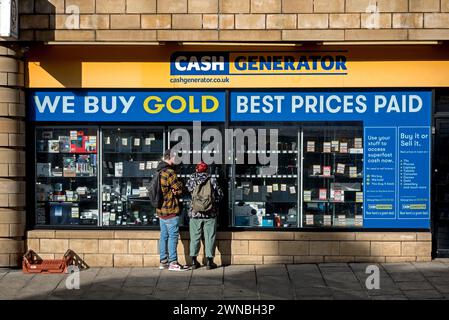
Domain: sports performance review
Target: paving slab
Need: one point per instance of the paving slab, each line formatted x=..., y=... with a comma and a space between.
x=350, y=295
x=313, y=292
x=423, y=294
x=267, y=282
x=442, y=287
x=207, y=277
x=237, y=292
x=169, y=294
x=415, y=285
x=271, y=270
x=389, y=297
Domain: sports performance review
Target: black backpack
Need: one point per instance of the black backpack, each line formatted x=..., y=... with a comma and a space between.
x=155, y=191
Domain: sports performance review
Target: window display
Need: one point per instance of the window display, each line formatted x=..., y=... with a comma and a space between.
x=66, y=176
x=267, y=196
x=333, y=175
x=129, y=161
x=317, y=180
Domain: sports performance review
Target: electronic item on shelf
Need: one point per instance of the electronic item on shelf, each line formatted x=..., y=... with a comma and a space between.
x=124, y=145
x=335, y=145
x=310, y=220
x=343, y=147
x=118, y=169
x=57, y=172
x=358, y=220
x=353, y=172
x=64, y=144
x=69, y=166
x=341, y=220
x=90, y=143
x=307, y=195
x=326, y=147
x=356, y=150
x=327, y=220
x=341, y=168
x=61, y=213
x=41, y=146
x=338, y=196
x=268, y=221
x=43, y=169
x=316, y=169
x=310, y=146
x=109, y=143
x=53, y=146
x=322, y=194
x=41, y=216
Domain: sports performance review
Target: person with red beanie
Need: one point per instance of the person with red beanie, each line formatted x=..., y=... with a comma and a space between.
x=206, y=194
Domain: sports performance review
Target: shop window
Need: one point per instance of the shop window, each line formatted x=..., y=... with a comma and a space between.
x=442, y=101
x=265, y=194
x=311, y=175
x=332, y=176
x=129, y=161
x=66, y=176
x=316, y=181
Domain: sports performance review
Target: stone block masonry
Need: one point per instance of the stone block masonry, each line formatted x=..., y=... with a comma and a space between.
x=233, y=20
x=12, y=157
x=141, y=248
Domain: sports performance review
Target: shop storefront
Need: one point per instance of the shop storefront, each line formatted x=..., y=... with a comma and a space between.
x=324, y=155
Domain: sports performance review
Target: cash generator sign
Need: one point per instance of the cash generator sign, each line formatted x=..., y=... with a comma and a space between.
x=253, y=63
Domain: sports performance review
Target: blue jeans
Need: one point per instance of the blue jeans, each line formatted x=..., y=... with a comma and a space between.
x=169, y=233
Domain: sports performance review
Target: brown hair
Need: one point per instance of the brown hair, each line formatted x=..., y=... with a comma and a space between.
x=168, y=154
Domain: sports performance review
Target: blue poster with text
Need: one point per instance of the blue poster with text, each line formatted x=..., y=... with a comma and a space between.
x=128, y=106
x=396, y=143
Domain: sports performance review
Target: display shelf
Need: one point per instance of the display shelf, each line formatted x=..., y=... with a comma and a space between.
x=156, y=153
x=64, y=153
x=268, y=152
x=63, y=201
x=334, y=153
x=129, y=159
x=274, y=199
x=343, y=176
x=66, y=164
x=335, y=202
x=255, y=176
x=63, y=177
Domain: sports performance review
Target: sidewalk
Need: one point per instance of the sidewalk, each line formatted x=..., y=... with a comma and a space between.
x=307, y=281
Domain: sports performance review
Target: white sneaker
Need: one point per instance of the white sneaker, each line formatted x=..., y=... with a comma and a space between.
x=175, y=266
x=163, y=265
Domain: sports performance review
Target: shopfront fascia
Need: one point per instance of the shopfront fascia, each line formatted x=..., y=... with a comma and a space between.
x=351, y=157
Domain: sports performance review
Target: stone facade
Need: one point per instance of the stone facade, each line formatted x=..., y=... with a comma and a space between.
x=233, y=20
x=12, y=157
x=140, y=248
x=198, y=20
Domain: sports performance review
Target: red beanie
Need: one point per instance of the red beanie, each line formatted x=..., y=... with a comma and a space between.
x=201, y=167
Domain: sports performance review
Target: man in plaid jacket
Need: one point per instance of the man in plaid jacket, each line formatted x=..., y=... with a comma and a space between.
x=169, y=213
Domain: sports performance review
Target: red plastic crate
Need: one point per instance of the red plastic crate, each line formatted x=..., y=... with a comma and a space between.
x=32, y=263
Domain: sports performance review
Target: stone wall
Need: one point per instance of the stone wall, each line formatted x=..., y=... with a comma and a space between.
x=12, y=157
x=140, y=248
x=233, y=20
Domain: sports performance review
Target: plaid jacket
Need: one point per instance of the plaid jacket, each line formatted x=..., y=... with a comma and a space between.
x=171, y=190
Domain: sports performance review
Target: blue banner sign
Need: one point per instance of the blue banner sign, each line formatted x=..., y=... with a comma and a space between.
x=124, y=106
x=396, y=143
